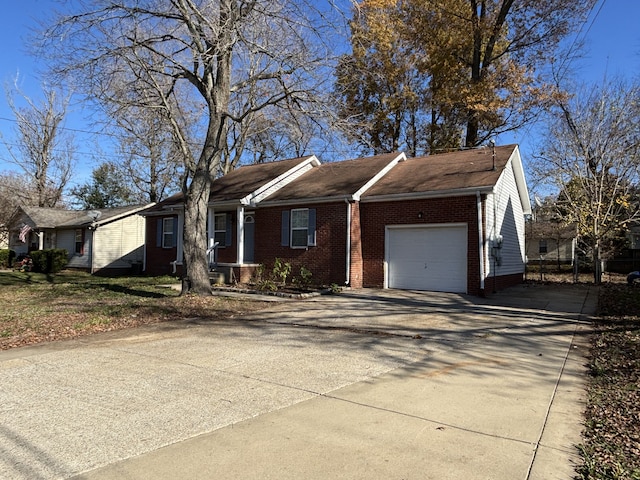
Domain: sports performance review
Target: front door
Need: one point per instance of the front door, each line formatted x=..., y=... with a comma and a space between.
x=249, y=234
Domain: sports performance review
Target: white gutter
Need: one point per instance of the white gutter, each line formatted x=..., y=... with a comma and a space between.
x=458, y=192
x=348, y=262
x=480, y=239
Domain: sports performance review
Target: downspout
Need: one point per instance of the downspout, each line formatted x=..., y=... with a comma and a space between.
x=480, y=240
x=348, y=257
x=92, y=245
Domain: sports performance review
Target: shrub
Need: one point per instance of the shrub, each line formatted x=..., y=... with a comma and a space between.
x=6, y=258
x=49, y=261
x=281, y=270
x=304, y=277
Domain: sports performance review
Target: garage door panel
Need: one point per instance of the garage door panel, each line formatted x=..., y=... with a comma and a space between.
x=428, y=258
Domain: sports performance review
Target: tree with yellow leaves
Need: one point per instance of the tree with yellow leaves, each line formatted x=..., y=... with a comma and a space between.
x=591, y=155
x=475, y=65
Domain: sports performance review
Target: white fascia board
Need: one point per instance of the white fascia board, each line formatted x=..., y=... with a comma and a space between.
x=280, y=181
x=307, y=201
x=225, y=204
x=400, y=158
x=521, y=183
x=460, y=192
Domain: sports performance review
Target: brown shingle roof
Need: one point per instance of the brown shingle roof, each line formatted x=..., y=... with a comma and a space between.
x=247, y=179
x=330, y=180
x=239, y=183
x=444, y=172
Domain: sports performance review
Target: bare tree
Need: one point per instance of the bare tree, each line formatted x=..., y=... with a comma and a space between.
x=42, y=149
x=235, y=57
x=15, y=191
x=151, y=159
x=592, y=157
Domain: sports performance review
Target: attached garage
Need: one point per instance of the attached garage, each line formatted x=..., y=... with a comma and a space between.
x=427, y=257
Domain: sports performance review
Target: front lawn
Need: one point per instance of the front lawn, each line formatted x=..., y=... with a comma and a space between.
x=38, y=308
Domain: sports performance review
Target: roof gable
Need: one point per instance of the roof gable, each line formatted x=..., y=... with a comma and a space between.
x=42, y=217
x=247, y=181
x=345, y=179
x=443, y=174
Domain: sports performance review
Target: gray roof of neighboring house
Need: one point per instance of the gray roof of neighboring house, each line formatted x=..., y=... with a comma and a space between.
x=59, y=218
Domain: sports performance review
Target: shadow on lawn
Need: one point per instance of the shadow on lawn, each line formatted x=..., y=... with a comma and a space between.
x=129, y=291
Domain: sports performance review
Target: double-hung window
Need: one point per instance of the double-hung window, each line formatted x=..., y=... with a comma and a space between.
x=220, y=229
x=542, y=246
x=79, y=241
x=299, y=227
x=168, y=233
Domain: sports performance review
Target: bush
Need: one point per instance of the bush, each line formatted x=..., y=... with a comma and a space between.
x=49, y=261
x=6, y=258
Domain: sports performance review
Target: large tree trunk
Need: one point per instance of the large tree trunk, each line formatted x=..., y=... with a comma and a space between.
x=195, y=235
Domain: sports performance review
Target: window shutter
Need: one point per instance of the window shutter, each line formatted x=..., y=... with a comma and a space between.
x=311, y=240
x=175, y=232
x=159, y=233
x=227, y=235
x=284, y=237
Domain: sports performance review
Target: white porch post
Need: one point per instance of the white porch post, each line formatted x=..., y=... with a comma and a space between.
x=179, y=249
x=240, y=241
x=211, y=225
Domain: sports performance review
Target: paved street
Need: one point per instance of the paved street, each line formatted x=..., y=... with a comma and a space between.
x=366, y=384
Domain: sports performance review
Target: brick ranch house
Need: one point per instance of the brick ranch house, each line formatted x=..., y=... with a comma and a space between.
x=451, y=222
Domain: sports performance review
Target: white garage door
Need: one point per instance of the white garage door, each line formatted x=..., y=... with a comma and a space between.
x=427, y=258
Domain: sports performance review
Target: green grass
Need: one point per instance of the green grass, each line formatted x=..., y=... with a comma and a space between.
x=35, y=307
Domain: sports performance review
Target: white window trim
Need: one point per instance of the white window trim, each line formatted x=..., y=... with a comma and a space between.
x=168, y=232
x=223, y=231
x=291, y=229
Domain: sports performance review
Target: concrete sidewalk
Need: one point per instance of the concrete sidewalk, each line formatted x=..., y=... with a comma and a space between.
x=368, y=384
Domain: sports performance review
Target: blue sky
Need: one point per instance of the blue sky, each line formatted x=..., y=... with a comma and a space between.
x=612, y=48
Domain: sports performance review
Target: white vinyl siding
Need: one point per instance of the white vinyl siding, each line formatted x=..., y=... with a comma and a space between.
x=119, y=244
x=505, y=219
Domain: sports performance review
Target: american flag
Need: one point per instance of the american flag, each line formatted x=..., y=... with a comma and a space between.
x=24, y=231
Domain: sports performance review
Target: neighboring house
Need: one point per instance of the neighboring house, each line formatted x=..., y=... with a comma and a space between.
x=106, y=241
x=550, y=242
x=452, y=222
x=4, y=237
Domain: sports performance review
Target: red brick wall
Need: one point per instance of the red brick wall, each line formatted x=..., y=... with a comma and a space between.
x=326, y=261
x=375, y=216
x=158, y=259
x=355, y=271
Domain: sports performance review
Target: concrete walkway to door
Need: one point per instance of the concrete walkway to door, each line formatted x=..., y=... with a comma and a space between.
x=366, y=384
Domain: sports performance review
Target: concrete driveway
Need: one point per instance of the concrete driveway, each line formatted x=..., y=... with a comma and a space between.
x=366, y=384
